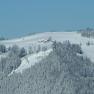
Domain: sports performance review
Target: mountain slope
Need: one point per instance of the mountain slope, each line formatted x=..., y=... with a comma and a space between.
x=61, y=72
x=41, y=39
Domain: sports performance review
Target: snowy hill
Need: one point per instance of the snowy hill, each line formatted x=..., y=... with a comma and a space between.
x=55, y=66
x=31, y=60
x=42, y=39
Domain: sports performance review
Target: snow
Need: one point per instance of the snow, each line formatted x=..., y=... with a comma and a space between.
x=30, y=60
x=89, y=52
x=38, y=39
x=3, y=55
x=74, y=37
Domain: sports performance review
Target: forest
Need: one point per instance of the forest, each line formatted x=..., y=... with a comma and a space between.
x=63, y=71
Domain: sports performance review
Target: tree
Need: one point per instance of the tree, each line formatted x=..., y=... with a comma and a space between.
x=2, y=48
x=38, y=49
x=22, y=52
x=9, y=63
x=54, y=45
x=30, y=50
x=49, y=39
x=14, y=50
x=44, y=48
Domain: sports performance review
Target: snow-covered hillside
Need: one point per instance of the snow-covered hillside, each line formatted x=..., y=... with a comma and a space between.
x=42, y=40
x=31, y=60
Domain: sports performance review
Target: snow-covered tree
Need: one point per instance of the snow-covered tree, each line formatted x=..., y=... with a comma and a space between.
x=2, y=48
x=44, y=48
x=30, y=50
x=22, y=52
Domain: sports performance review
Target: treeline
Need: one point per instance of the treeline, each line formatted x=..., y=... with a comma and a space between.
x=62, y=72
x=88, y=32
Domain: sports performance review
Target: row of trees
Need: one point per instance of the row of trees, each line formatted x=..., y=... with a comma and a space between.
x=22, y=52
x=88, y=32
x=37, y=49
x=31, y=49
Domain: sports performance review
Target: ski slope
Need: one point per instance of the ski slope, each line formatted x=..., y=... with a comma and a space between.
x=40, y=39
x=31, y=60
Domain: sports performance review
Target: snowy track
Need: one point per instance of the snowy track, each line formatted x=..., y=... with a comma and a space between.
x=30, y=60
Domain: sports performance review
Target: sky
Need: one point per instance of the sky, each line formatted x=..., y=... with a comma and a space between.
x=20, y=17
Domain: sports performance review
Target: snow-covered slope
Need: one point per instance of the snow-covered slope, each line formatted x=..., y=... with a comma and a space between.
x=30, y=60
x=41, y=39
x=74, y=37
